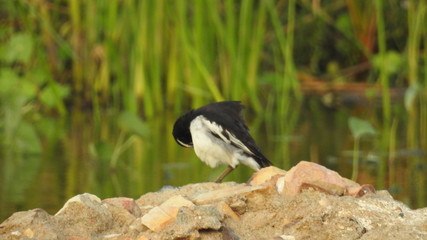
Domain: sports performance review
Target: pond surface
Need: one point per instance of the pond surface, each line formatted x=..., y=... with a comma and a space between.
x=111, y=154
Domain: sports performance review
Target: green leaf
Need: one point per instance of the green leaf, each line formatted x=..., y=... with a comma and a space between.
x=343, y=23
x=360, y=127
x=28, y=89
x=131, y=122
x=11, y=84
x=54, y=93
x=18, y=49
x=8, y=80
x=392, y=61
x=39, y=76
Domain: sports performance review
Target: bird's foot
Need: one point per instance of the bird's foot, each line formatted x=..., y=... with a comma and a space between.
x=224, y=174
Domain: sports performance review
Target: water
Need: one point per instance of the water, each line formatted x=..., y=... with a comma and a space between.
x=117, y=154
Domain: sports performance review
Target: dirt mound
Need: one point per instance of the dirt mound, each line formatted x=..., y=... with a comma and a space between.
x=308, y=202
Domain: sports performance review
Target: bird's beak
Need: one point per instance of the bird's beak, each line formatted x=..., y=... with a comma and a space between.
x=184, y=144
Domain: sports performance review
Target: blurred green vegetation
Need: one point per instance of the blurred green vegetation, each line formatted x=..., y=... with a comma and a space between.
x=89, y=91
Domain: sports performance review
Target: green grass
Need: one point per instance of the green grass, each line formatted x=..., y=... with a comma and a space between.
x=417, y=17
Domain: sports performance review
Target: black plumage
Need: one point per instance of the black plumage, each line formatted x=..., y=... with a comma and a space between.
x=223, y=126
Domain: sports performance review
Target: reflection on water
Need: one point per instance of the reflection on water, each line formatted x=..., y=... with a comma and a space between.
x=120, y=155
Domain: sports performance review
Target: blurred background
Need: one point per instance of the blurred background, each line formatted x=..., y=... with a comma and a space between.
x=90, y=89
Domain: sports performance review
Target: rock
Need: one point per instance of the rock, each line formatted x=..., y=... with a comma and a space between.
x=359, y=191
x=156, y=219
x=325, y=187
x=125, y=213
x=284, y=237
x=122, y=218
x=142, y=238
x=35, y=223
x=159, y=216
x=190, y=223
x=84, y=211
x=228, y=234
x=322, y=205
x=333, y=217
x=280, y=184
x=226, y=210
x=87, y=199
x=127, y=204
x=225, y=193
x=237, y=203
x=190, y=220
x=308, y=174
x=152, y=199
x=264, y=175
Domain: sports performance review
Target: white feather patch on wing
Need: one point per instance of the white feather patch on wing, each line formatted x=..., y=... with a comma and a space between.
x=214, y=128
x=218, y=130
x=210, y=149
x=214, y=150
x=238, y=143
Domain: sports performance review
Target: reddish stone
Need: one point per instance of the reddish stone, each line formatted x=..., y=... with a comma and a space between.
x=128, y=204
x=306, y=174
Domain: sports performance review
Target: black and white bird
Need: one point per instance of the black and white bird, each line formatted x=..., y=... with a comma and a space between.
x=219, y=135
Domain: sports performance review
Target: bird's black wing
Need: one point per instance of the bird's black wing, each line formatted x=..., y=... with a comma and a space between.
x=229, y=125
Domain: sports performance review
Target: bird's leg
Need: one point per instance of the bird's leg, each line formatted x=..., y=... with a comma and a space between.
x=224, y=174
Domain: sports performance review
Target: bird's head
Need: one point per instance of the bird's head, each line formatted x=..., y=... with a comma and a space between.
x=181, y=130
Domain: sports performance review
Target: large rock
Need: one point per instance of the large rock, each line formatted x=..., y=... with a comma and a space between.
x=308, y=175
x=159, y=216
x=84, y=212
x=35, y=224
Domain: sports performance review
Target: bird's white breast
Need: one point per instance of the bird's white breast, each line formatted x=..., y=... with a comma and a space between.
x=214, y=151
